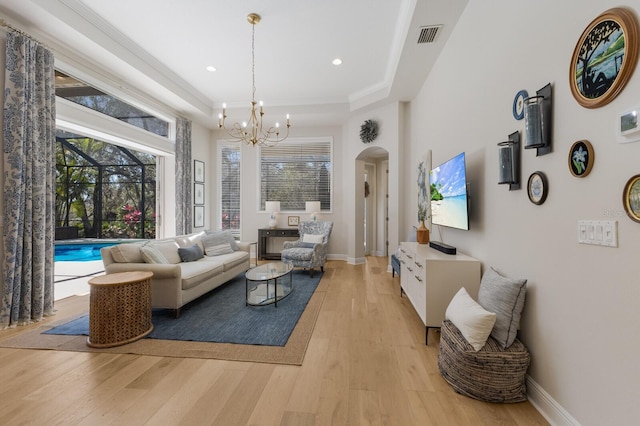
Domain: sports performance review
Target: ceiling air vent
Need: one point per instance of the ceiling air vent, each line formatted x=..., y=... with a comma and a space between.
x=429, y=34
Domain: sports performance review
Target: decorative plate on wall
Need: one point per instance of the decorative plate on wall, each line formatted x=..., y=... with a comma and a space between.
x=631, y=198
x=537, y=188
x=518, y=104
x=368, y=131
x=581, y=158
x=604, y=58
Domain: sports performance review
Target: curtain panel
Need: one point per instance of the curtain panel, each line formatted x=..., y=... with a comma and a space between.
x=184, y=213
x=29, y=182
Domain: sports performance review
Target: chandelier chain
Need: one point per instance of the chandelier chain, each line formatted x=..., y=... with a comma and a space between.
x=252, y=132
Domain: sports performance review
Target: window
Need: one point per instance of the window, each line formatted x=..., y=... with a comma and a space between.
x=104, y=190
x=70, y=88
x=296, y=171
x=229, y=178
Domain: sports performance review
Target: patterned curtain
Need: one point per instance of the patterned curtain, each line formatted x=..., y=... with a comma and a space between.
x=184, y=213
x=29, y=186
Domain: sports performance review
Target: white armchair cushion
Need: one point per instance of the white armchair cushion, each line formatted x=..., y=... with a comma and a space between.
x=314, y=239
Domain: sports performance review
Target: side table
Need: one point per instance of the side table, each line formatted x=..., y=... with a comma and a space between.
x=119, y=308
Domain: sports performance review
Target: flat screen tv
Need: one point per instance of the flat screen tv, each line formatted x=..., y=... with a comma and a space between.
x=449, y=198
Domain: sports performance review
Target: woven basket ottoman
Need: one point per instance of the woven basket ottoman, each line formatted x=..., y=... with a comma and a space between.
x=492, y=374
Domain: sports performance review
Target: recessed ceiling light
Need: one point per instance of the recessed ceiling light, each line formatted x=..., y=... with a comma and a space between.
x=211, y=68
x=337, y=61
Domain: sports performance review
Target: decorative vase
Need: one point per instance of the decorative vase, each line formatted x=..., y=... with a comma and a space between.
x=422, y=234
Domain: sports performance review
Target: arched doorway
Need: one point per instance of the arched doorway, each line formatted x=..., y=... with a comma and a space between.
x=373, y=218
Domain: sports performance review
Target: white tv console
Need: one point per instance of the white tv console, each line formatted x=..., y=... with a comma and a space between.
x=430, y=279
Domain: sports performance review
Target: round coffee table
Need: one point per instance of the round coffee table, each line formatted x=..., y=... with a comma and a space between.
x=268, y=283
x=119, y=308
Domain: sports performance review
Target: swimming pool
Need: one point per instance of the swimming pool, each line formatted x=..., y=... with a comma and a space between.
x=80, y=252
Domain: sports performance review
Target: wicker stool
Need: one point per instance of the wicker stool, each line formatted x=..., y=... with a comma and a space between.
x=119, y=308
x=492, y=374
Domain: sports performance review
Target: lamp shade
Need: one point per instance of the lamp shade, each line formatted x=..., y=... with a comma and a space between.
x=272, y=206
x=312, y=206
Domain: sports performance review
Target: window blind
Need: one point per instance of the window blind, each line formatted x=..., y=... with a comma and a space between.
x=229, y=179
x=294, y=172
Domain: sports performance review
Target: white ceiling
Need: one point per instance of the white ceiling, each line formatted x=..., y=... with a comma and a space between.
x=160, y=48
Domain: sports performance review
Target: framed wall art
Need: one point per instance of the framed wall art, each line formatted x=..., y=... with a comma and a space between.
x=293, y=220
x=198, y=216
x=198, y=171
x=537, y=188
x=631, y=198
x=604, y=58
x=581, y=158
x=198, y=193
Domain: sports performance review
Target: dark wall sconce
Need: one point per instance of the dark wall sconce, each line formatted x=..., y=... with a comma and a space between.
x=538, y=115
x=509, y=162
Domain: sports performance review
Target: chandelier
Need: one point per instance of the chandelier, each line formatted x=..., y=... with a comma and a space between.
x=252, y=132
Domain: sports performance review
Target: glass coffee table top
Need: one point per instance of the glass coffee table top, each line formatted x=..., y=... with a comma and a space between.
x=268, y=283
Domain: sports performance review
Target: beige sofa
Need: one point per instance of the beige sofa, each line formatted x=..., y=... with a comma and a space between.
x=179, y=274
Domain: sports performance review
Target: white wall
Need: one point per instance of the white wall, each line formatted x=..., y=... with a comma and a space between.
x=582, y=309
x=202, y=150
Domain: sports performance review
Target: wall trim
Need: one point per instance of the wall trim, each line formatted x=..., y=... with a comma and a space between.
x=547, y=406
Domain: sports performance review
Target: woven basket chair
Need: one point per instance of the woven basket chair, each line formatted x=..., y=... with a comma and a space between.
x=492, y=374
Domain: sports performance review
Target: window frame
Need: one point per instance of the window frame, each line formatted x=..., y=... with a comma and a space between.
x=222, y=144
x=297, y=141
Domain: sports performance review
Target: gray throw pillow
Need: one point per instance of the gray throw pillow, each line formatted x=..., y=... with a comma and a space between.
x=190, y=254
x=504, y=296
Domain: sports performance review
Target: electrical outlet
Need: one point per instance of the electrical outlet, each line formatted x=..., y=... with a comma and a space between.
x=598, y=232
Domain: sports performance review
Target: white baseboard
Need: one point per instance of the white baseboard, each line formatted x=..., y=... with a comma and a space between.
x=356, y=260
x=547, y=406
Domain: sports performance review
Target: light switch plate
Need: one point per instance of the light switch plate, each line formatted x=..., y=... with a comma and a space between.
x=598, y=232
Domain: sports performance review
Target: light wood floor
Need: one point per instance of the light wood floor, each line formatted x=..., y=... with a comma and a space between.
x=366, y=364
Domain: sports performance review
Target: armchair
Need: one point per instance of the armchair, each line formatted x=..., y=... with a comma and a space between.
x=310, y=251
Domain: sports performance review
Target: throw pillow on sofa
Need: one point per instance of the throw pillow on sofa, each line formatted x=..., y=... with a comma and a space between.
x=150, y=254
x=168, y=249
x=218, y=250
x=504, y=296
x=221, y=236
x=217, y=244
x=190, y=254
x=127, y=253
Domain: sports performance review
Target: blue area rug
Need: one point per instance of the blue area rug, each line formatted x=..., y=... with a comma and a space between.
x=221, y=316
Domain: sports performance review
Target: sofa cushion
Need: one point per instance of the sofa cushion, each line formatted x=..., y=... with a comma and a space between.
x=151, y=254
x=230, y=260
x=505, y=297
x=194, y=273
x=190, y=254
x=127, y=253
x=168, y=248
x=474, y=322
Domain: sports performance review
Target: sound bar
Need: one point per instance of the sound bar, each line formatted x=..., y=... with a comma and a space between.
x=445, y=248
